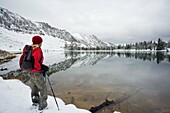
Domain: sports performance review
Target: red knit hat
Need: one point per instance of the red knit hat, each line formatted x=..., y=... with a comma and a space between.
x=37, y=40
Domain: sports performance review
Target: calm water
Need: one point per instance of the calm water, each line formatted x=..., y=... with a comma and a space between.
x=89, y=78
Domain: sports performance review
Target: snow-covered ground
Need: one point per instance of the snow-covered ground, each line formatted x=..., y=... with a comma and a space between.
x=15, y=98
x=13, y=41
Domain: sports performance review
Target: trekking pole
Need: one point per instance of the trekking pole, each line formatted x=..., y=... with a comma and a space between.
x=52, y=91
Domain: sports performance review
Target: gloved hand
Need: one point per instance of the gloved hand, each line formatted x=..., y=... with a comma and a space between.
x=44, y=67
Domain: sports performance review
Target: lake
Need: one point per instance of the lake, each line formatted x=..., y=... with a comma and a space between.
x=90, y=78
x=87, y=79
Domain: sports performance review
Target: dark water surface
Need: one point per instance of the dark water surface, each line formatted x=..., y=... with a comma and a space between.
x=90, y=78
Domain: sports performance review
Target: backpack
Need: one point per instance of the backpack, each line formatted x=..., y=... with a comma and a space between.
x=26, y=59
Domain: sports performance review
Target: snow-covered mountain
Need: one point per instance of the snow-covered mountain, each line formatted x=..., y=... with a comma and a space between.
x=12, y=21
x=90, y=40
x=15, y=31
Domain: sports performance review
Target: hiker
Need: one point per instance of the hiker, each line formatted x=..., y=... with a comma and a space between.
x=37, y=76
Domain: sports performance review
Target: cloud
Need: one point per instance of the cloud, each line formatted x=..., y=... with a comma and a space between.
x=111, y=20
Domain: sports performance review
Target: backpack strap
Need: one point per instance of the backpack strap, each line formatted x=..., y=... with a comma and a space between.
x=26, y=48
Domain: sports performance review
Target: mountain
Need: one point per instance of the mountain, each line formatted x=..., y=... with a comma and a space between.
x=90, y=40
x=15, y=31
x=15, y=22
x=52, y=31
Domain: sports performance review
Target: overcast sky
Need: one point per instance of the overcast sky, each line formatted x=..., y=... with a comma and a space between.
x=117, y=21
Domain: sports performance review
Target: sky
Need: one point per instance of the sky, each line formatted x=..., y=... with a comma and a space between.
x=116, y=21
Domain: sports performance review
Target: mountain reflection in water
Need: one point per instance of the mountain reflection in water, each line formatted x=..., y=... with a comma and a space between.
x=94, y=76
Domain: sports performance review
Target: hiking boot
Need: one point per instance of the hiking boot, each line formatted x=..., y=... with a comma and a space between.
x=35, y=100
x=41, y=108
x=35, y=104
x=42, y=105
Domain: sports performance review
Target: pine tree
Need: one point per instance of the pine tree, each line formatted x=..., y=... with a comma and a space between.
x=169, y=44
x=160, y=45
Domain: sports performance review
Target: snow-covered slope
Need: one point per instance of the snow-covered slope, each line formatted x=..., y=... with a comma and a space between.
x=15, y=41
x=15, y=98
x=90, y=40
x=52, y=31
x=15, y=22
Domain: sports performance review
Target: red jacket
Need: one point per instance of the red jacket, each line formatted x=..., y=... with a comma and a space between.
x=38, y=59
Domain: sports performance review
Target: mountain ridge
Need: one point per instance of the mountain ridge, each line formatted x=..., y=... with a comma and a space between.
x=14, y=22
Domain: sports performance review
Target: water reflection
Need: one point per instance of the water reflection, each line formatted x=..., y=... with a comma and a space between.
x=80, y=59
x=94, y=75
x=150, y=56
x=86, y=79
x=145, y=56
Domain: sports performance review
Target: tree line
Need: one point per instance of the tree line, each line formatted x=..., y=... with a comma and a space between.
x=145, y=45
